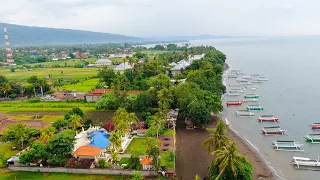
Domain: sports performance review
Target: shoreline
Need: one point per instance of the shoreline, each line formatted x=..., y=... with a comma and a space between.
x=260, y=169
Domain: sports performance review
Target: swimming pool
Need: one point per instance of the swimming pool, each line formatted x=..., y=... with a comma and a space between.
x=100, y=139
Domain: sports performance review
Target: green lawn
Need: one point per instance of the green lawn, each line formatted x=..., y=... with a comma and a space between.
x=154, y=53
x=70, y=62
x=168, y=132
x=83, y=86
x=124, y=160
x=20, y=175
x=137, y=144
x=68, y=73
x=6, y=149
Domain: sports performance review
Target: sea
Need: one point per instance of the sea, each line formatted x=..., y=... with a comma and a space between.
x=292, y=65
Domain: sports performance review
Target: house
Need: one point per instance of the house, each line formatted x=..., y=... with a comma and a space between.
x=179, y=67
x=103, y=62
x=69, y=95
x=173, y=64
x=146, y=163
x=122, y=67
x=88, y=152
x=95, y=95
x=141, y=132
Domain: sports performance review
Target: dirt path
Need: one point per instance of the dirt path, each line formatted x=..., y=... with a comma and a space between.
x=193, y=159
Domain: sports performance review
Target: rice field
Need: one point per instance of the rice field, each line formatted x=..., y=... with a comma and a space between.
x=65, y=73
x=83, y=86
x=44, y=118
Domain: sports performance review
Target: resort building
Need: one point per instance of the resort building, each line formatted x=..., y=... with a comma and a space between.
x=122, y=67
x=146, y=163
x=103, y=62
x=95, y=95
x=88, y=152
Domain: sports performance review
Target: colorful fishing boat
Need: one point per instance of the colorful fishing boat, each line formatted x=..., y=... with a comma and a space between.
x=251, y=96
x=250, y=100
x=234, y=103
x=273, y=130
x=306, y=163
x=244, y=113
x=287, y=145
x=268, y=118
x=313, y=138
x=255, y=107
x=315, y=126
x=236, y=91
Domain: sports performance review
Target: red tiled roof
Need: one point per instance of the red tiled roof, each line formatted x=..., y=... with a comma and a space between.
x=88, y=151
x=146, y=161
x=141, y=130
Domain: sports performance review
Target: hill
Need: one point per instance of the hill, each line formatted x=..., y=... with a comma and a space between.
x=28, y=35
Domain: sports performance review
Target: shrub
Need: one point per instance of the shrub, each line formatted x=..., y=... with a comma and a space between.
x=74, y=110
x=34, y=100
x=102, y=163
x=59, y=160
x=13, y=96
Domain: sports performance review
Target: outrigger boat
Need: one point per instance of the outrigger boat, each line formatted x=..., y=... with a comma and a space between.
x=306, y=162
x=246, y=77
x=315, y=126
x=232, y=76
x=254, y=74
x=234, y=103
x=254, y=107
x=273, y=130
x=313, y=138
x=250, y=100
x=251, y=96
x=246, y=83
x=257, y=82
x=233, y=94
x=268, y=118
x=242, y=80
x=263, y=79
x=236, y=91
x=287, y=145
x=234, y=85
x=244, y=113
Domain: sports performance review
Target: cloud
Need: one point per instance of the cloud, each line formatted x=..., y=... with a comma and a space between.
x=169, y=17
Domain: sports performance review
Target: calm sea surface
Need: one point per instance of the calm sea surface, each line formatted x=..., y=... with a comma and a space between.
x=292, y=94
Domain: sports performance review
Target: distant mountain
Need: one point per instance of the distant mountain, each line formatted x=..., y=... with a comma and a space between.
x=186, y=38
x=27, y=35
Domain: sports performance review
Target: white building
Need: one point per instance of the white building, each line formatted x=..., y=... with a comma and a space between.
x=103, y=62
x=123, y=66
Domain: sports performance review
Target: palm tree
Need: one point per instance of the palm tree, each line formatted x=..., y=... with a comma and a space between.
x=218, y=137
x=165, y=99
x=157, y=123
x=228, y=159
x=46, y=133
x=58, y=83
x=115, y=139
x=6, y=88
x=75, y=121
x=42, y=83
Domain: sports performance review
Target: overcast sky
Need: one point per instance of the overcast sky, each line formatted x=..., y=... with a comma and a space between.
x=169, y=17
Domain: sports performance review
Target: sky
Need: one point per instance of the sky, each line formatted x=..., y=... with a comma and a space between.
x=145, y=18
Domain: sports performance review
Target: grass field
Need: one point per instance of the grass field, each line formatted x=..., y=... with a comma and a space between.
x=84, y=86
x=154, y=53
x=7, y=107
x=68, y=73
x=44, y=118
x=6, y=149
x=70, y=62
x=137, y=144
x=9, y=175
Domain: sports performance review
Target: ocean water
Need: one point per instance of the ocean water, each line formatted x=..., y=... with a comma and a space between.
x=292, y=65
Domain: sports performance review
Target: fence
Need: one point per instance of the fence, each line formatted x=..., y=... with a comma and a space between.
x=81, y=171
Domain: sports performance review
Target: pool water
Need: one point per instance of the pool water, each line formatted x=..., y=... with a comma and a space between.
x=100, y=139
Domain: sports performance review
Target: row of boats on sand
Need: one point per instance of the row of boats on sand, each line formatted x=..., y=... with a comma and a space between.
x=245, y=82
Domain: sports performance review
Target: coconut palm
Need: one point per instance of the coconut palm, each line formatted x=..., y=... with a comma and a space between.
x=228, y=158
x=115, y=139
x=218, y=137
x=6, y=88
x=157, y=123
x=165, y=99
x=74, y=121
x=58, y=83
x=46, y=133
x=42, y=83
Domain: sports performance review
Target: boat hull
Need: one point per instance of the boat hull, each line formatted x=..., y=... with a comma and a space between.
x=251, y=97
x=265, y=119
x=315, y=126
x=273, y=133
x=255, y=108
x=234, y=104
